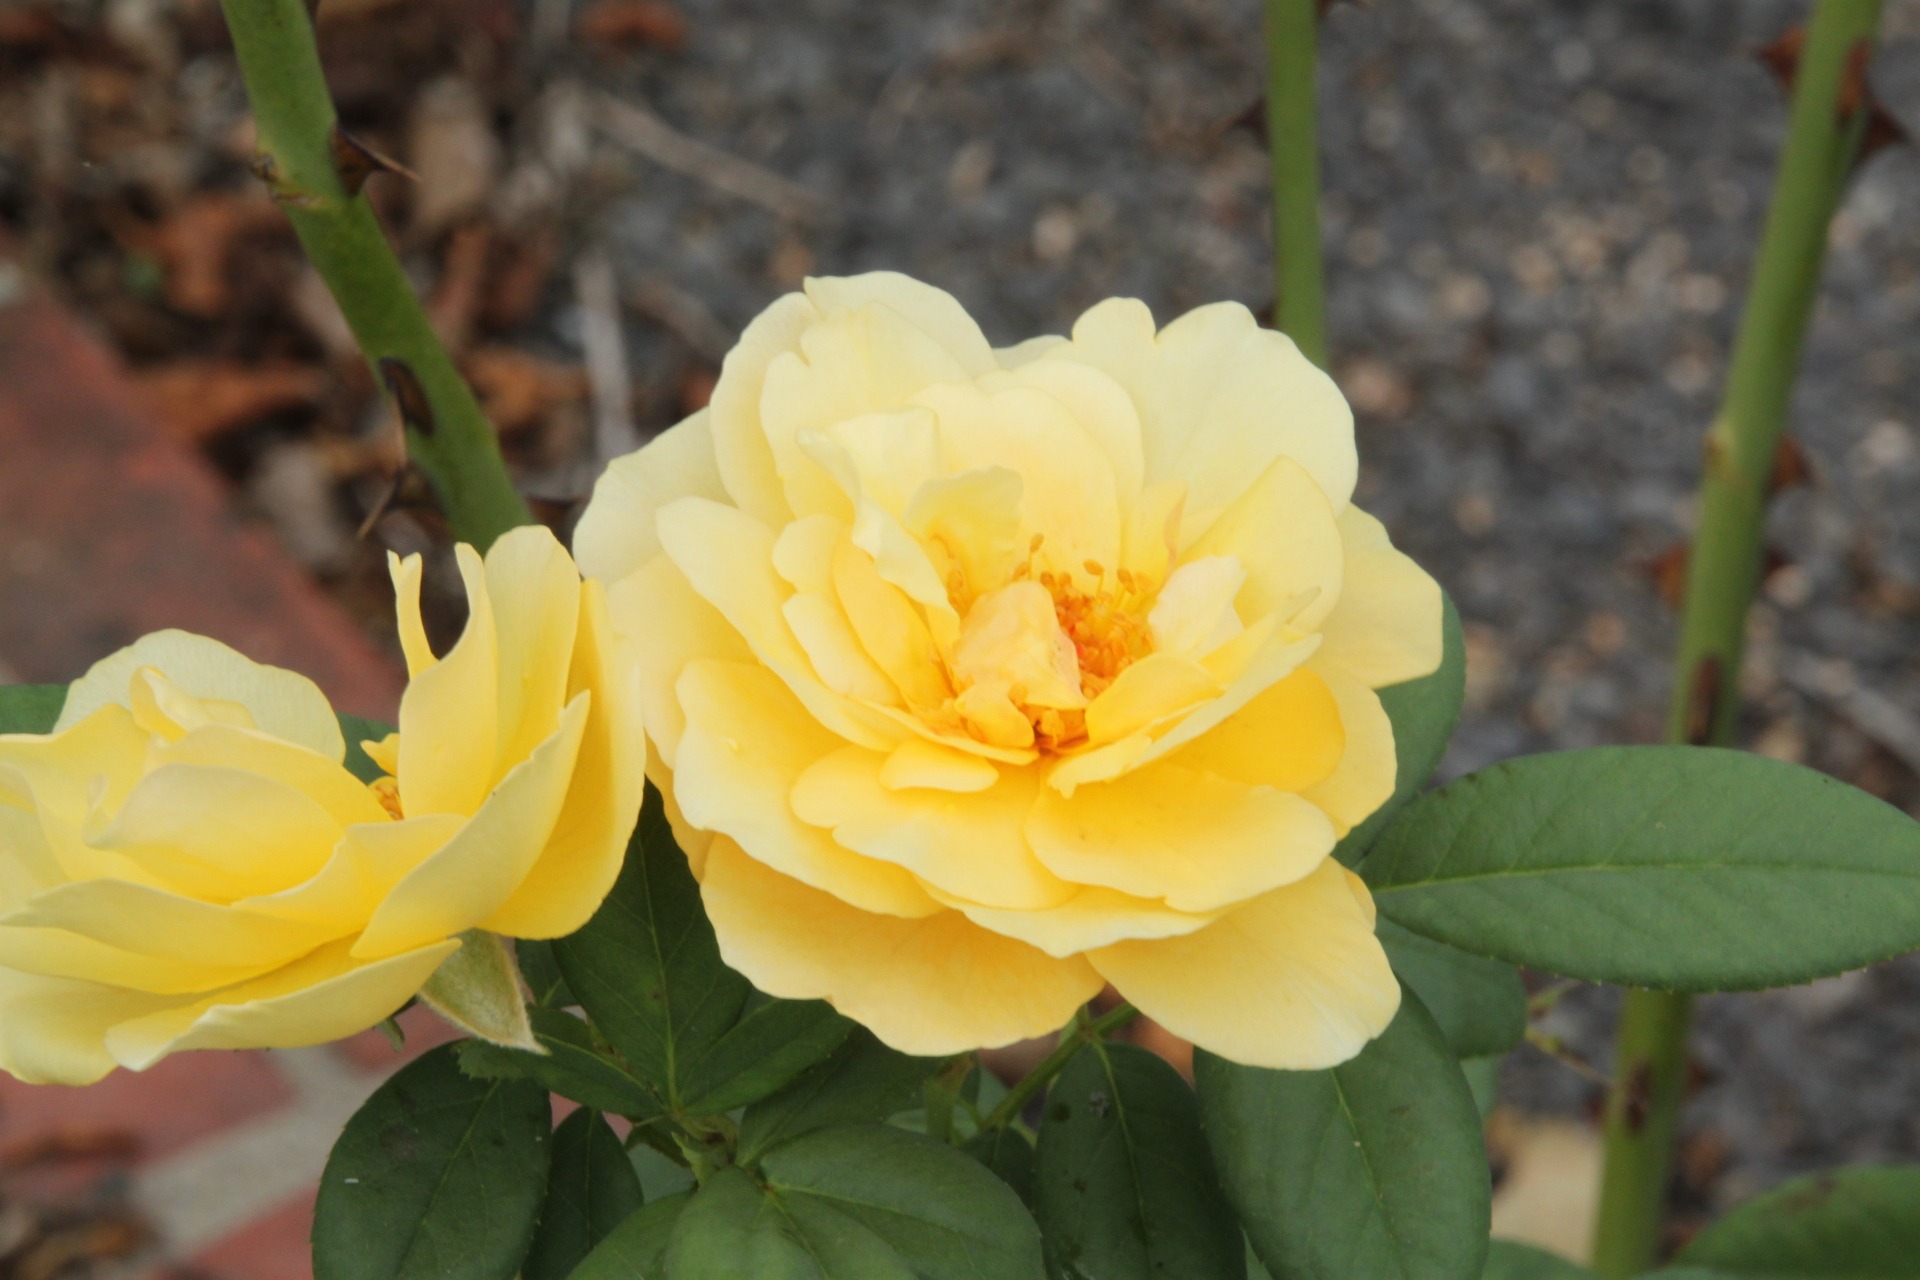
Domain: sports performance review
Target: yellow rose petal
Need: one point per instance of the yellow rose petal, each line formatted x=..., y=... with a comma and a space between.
x=1364, y=779
x=149, y=921
x=1093, y=917
x=536, y=591
x=1386, y=628
x=1283, y=533
x=617, y=533
x=282, y=703
x=934, y=312
x=53, y=1030
x=1293, y=980
x=917, y=763
x=929, y=986
x=1290, y=737
x=219, y=832
x=325, y=996
x=582, y=858
x=325, y=782
x=746, y=744
x=1196, y=840
x=669, y=626
x=968, y=843
x=449, y=715
x=473, y=875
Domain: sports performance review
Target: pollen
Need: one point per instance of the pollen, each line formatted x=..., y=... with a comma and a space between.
x=1107, y=624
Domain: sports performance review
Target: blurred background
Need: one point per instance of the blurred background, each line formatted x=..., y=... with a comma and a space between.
x=1539, y=219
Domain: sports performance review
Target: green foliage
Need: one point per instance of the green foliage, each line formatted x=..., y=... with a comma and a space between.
x=763, y=1052
x=591, y=1189
x=869, y=1201
x=1423, y=713
x=1007, y=1152
x=646, y=967
x=1125, y=1188
x=437, y=1177
x=1507, y=1260
x=861, y=1081
x=542, y=973
x=1480, y=1004
x=1375, y=1168
x=1676, y=868
x=637, y=1248
x=30, y=708
x=571, y=1067
x=356, y=729
x=1851, y=1224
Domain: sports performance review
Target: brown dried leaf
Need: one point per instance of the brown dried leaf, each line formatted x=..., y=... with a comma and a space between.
x=518, y=390
x=196, y=244
x=624, y=24
x=198, y=400
x=455, y=304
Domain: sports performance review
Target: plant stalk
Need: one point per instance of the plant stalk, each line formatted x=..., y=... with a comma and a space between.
x=315, y=173
x=1071, y=1042
x=1299, y=289
x=1723, y=572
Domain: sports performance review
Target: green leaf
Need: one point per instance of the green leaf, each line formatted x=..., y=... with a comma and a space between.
x=1850, y=1224
x=938, y=1211
x=357, y=729
x=477, y=989
x=591, y=1189
x=647, y=969
x=1424, y=713
x=1509, y=1260
x=736, y=1230
x=763, y=1053
x=1008, y=1153
x=1480, y=1004
x=637, y=1248
x=862, y=1081
x=542, y=973
x=571, y=1067
x=30, y=708
x=437, y=1177
x=1375, y=1168
x=1125, y=1188
x=1677, y=868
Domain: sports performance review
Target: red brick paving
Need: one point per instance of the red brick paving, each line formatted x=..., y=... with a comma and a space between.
x=274, y=1247
x=110, y=529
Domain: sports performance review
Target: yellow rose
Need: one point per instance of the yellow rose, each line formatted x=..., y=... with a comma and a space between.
x=186, y=864
x=979, y=678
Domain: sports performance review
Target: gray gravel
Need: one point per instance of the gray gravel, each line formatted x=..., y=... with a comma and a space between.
x=1540, y=217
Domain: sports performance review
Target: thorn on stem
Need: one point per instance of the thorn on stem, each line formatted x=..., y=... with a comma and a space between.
x=416, y=411
x=1703, y=701
x=1782, y=57
x=1790, y=466
x=1638, y=1102
x=355, y=161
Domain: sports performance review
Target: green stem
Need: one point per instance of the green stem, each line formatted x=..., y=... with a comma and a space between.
x=1299, y=291
x=448, y=437
x=1723, y=572
x=1071, y=1042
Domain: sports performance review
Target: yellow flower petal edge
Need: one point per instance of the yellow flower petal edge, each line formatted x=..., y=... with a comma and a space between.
x=975, y=677
x=185, y=863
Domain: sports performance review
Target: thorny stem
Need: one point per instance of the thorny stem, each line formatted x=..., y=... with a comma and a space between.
x=1299, y=302
x=1083, y=1030
x=315, y=172
x=1649, y=1073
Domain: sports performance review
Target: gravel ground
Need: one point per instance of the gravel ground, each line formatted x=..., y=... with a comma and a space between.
x=1540, y=218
